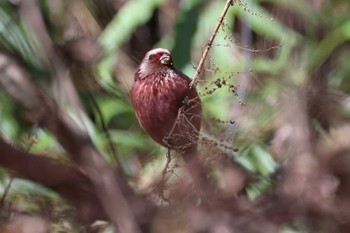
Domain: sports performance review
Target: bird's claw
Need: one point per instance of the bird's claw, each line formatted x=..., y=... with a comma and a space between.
x=167, y=141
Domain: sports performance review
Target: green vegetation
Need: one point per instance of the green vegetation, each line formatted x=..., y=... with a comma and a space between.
x=275, y=86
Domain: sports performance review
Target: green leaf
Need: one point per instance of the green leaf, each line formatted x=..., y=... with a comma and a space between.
x=120, y=29
x=255, y=158
x=185, y=29
x=330, y=42
x=15, y=37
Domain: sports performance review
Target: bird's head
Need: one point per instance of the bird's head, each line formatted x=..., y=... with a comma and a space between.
x=156, y=60
x=158, y=56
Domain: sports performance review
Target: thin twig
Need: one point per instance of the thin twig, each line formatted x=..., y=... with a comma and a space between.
x=11, y=177
x=4, y=195
x=210, y=43
x=110, y=143
x=167, y=139
x=165, y=169
x=243, y=81
x=251, y=49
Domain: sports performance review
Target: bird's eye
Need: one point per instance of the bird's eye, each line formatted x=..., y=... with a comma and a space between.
x=150, y=57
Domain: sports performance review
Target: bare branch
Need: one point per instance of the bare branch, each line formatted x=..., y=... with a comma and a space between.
x=210, y=43
x=73, y=185
x=43, y=110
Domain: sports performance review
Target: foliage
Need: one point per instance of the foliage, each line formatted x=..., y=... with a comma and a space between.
x=264, y=51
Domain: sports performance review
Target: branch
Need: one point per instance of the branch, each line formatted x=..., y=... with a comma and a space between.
x=64, y=90
x=42, y=109
x=70, y=183
x=209, y=44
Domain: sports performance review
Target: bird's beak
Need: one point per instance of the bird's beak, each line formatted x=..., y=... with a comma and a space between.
x=165, y=59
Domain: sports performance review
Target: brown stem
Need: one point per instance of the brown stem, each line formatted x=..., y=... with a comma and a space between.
x=6, y=191
x=210, y=43
x=40, y=108
x=162, y=184
x=66, y=180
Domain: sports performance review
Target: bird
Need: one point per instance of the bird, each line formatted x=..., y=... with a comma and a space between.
x=158, y=93
x=167, y=108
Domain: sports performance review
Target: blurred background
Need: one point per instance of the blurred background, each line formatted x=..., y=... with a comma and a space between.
x=275, y=91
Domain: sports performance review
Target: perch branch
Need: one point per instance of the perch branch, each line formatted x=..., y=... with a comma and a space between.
x=210, y=43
